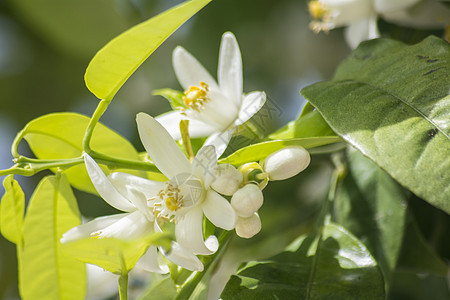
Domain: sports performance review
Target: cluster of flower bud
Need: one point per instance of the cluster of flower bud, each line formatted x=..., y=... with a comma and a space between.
x=246, y=183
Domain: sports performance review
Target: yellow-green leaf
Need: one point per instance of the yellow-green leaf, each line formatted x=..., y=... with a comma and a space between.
x=12, y=208
x=116, y=256
x=114, y=63
x=46, y=272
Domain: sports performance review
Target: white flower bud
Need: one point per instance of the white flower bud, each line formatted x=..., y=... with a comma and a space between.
x=247, y=200
x=286, y=162
x=248, y=227
x=228, y=179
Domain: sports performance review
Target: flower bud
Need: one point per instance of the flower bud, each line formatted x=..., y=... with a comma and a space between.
x=254, y=173
x=228, y=179
x=286, y=162
x=248, y=227
x=247, y=200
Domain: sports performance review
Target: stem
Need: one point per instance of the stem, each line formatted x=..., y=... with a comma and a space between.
x=184, y=130
x=123, y=286
x=101, y=108
x=16, y=142
x=116, y=163
x=189, y=287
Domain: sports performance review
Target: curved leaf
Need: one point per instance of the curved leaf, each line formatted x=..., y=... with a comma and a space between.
x=260, y=151
x=12, y=209
x=60, y=136
x=391, y=101
x=115, y=62
x=338, y=266
x=46, y=272
x=373, y=207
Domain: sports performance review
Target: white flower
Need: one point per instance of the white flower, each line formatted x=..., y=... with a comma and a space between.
x=286, y=163
x=361, y=16
x=129, y=193
x=227, y=179
x=187, y=196
x=247, y=200
x=248, y=227
x=213, y=109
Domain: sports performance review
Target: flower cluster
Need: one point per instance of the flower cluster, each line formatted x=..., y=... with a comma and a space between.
x=227, y=196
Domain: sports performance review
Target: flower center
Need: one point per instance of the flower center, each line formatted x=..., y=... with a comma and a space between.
x=321, y=15
x=195, y=97
x=180, y=193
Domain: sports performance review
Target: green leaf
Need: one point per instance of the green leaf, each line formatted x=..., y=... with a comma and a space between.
x=338, y=266
x=60, y=135
x=116, y=256
x=174, y=97
x=115, y=62
x=391, y=101
x=311, y=124
x=417, y=255
x=373, y=207
x=12, y=209
x=163, y=290
x=46, y=272
x=260, y=151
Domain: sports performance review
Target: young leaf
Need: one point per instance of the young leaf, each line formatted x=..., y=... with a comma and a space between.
x=60, y=135
x=311, y=124
x=12, y=209
x=115, y=62
x=174, y=97
x=391, y=101
x=260, y=151
x=116, y=256
x=336, y=266
x=46, y=272
x=373, y=207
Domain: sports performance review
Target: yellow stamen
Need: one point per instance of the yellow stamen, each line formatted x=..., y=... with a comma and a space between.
x=171, y=203
x=316, y=9
x=195, y=96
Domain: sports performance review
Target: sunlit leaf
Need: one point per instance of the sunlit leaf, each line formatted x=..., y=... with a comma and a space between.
x=391, y=101
x=12, y=209
x=311, y=124
x=115, y=62
x=174, y=97
x=336, y=266
x=260, y=151
x=373, y=207
x=163, y=290
x=46, y=272
x=116, y=256
x=60, y=135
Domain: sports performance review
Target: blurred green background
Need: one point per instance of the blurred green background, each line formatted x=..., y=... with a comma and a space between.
x=46, y=45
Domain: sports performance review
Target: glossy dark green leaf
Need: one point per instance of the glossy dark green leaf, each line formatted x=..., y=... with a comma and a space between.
x=12, y=209
x=311, y=124
x=391, y=101
x=336, y=266
x=372, y=206
x=45, y=271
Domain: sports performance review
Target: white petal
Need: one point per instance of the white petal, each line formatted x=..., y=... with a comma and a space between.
x=344, y=12
x=123, y=181
x=84, y=231
x=182, y=257
x=362, y=30
x=171, y=122
x=189, y=233
x=230, y=68
x=219, y=211
x=204, y=165
x=105, y=188
x=150, y=262
x=161, y=148
x=140, y=201
x=220, y=141
x=129, y=227
x=383, y=6
x=189, y=71
x=251, y=104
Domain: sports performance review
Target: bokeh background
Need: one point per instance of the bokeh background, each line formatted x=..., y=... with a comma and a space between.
x=46, y=45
